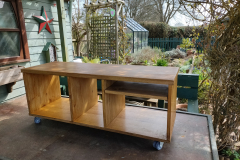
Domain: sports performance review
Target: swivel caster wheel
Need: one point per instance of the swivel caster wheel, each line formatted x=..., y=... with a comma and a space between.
x=158, y=145
x=37, y=120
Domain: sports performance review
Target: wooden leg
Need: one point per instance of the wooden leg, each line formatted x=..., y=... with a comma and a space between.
x=82, y=94
x=172, y=95
x=41, y=90
x=112, y=104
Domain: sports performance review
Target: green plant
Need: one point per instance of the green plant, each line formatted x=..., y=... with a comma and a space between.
x=204, y=84
x=227, y=152
x=86, y=60
x=186, y=43
x=233, y=154
x=145, y=62
x=184, y=68
x=188, y=62
x=236, y=155
x=162, y=62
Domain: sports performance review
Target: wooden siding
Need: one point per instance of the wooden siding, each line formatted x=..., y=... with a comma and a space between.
x=36, y=41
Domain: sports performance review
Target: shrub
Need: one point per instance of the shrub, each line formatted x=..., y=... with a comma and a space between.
x=162, y=62
x=163, y=30
x=146, y=54
x=175, y=53
x=156, y=29
x=204, y=84
x=186, y=43
x=184, y=68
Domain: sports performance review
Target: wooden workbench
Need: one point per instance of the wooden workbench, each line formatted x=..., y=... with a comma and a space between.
x=82, y=107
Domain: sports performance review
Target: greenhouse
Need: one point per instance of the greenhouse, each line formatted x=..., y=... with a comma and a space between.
x=138, y=35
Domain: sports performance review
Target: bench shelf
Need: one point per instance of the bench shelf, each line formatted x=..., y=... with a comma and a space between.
x=82, y=106
x=145, y=90
x=59, y=110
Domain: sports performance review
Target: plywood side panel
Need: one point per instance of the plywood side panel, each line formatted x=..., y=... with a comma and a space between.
x=172, y=95
x=41, y=90
x=112, y=104
x=83, y=95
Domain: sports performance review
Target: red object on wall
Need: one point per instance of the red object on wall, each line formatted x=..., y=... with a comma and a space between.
x=44, y=21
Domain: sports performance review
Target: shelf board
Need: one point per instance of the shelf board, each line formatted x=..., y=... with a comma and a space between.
x=144, y=90
x=135, y=121
x=93, y=117
x=57, y=110
x=141, y=122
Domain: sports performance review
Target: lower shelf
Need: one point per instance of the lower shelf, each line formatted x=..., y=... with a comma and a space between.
x=141, y=122
x=136, y=121
x=57, y=110
x=93, y=117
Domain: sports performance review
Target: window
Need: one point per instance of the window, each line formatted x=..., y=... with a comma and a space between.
x=13, y=38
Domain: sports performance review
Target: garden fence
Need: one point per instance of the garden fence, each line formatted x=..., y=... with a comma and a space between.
x=167, y=44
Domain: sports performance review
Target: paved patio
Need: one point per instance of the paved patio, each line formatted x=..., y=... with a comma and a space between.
x=22, y=139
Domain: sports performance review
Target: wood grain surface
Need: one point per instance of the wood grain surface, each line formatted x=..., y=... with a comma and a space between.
x=131, y=73
x=172, y=95
x=41, y=90
x=57, y=110
x=144, y=90
x=83, y=95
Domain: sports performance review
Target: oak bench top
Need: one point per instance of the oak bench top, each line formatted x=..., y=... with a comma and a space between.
x=131, y=73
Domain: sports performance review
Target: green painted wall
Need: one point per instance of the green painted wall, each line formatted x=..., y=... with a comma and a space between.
x=37, y=41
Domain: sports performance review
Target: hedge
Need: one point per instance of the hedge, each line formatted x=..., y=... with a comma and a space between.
x=163, y=30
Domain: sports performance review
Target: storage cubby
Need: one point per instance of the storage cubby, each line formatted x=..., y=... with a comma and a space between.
x=145, y=90
x=137, y=121
x=84, y=101
x=44, y=97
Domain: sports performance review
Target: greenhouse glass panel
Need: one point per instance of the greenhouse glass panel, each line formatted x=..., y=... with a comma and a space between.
x=137, y=35
x=135, y=42
x=129, y=34
x=144, y=39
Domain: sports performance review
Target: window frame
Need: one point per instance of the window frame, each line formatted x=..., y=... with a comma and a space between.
x=24, y=50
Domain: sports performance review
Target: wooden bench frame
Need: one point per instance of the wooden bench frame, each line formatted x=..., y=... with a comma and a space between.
x=187, y=88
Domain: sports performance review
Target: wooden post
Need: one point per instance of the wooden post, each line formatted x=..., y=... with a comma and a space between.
x=62, y=29
x=123, y=29
x=116, y=30
x=87, y=31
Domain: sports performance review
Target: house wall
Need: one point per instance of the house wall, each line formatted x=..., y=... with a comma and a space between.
x=36, y=42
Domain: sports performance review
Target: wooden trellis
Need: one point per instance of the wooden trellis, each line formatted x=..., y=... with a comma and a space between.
x=103, y=35
x=102, y=43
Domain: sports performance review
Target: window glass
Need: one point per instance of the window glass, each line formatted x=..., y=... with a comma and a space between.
x=135, y=42
x=129, y=35
x=7, y=16
x=9, y=44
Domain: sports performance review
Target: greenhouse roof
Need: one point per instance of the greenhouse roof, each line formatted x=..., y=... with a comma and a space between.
x=134, y=26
